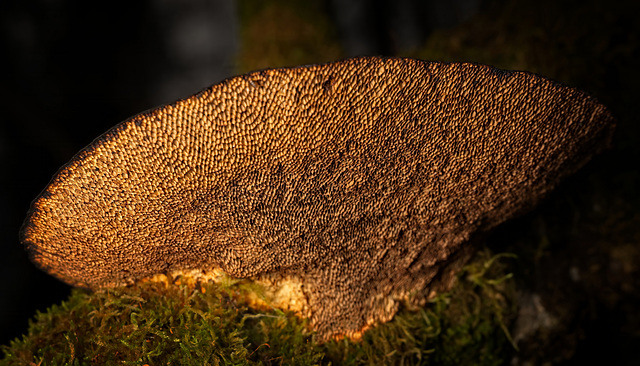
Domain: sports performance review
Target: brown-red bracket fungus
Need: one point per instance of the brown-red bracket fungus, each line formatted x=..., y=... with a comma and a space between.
x=349, y=186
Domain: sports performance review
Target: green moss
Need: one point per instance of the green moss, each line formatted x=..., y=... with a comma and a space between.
x=158, y=324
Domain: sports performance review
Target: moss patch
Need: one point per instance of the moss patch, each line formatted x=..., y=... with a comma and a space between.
x=157, y=323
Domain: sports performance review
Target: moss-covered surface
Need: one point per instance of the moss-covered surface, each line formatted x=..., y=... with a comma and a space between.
x=160, y=324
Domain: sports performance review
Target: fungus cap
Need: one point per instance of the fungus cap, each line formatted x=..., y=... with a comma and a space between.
x=356, y=182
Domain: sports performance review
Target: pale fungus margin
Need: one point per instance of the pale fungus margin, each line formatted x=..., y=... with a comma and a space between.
x=346, y=187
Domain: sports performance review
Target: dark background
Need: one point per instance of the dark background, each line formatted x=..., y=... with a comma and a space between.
x=73, y=69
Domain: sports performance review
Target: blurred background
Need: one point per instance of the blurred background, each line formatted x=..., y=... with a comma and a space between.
x=73, y=69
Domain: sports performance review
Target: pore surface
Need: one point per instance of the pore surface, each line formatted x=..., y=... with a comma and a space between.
x=361, y=179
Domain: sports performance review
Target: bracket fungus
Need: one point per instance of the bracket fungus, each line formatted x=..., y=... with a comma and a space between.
x=351, y=185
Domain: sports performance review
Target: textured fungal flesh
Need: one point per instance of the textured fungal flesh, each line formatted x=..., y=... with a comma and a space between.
x=355, y=182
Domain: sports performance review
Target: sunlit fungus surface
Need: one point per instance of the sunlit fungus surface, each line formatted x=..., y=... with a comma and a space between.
x=348, y=188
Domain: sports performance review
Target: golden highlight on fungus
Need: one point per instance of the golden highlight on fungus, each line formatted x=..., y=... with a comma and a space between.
x=348, y=187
